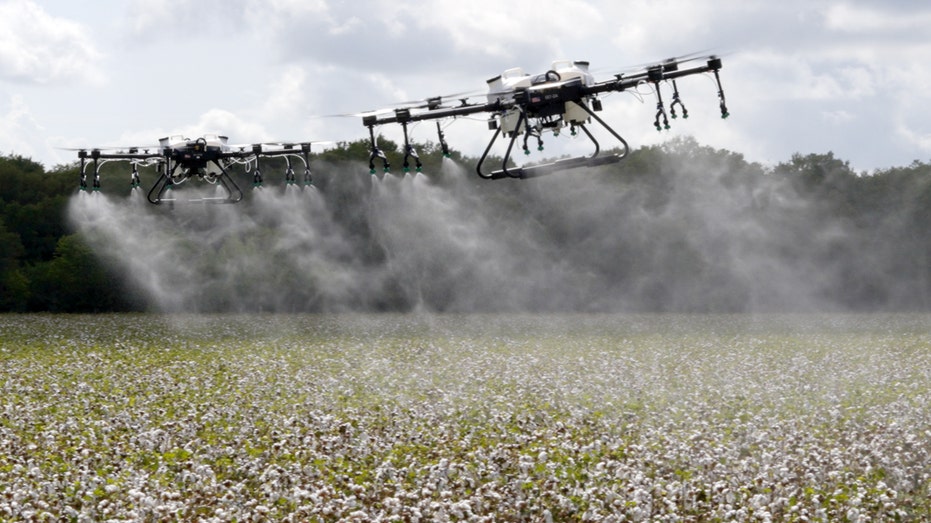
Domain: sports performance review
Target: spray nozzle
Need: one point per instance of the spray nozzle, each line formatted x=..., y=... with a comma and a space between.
x=716, y=64
x=677, y=100
x=443, y=145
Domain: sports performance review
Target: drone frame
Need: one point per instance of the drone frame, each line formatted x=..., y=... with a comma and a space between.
x=193, y=159
x=545, y=103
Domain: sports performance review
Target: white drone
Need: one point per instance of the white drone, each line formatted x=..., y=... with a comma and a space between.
x=526, y=105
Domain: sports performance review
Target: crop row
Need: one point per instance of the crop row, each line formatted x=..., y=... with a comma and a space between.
x=465, y=418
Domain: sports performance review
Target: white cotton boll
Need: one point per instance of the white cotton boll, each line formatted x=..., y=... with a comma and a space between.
x=758, y=501
x=457, y=512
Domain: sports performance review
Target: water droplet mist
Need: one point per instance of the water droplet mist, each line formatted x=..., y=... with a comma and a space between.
x=356, y=243
x=702, y=232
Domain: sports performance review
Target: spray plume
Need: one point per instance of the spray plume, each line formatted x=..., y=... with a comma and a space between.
x=708, y=233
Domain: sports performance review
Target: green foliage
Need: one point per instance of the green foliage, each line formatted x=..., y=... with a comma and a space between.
x=32, y=204
x=358, y=150
x=73, y=281
x=14, y=287
x=11, y=249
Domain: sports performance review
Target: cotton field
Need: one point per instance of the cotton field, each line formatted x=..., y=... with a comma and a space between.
x=465, y=418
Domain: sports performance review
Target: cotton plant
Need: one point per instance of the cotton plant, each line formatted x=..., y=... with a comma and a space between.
x=464, y=418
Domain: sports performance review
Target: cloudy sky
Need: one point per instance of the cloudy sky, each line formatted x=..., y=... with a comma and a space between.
x=804, y=76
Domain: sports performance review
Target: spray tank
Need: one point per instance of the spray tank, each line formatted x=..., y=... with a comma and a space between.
x=505, y=87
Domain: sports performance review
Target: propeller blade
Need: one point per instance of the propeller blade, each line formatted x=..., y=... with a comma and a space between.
x=357, y=114
x=296, y=145
x=673, y=61
x=117, y=148
x=434, y=102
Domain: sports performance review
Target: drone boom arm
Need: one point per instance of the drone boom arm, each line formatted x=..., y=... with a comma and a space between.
x=181, y=160
x=405, y=115
x=658, y=74
x=621, y=82
x=97, y=154
x=547, y=104
x=98, y=158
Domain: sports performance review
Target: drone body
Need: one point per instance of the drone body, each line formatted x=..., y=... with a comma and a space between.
x=519, y=106
x=522, y=105
x=504, y=88
x=208, y=158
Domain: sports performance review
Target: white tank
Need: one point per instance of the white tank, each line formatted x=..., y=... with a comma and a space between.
x=501, y=88
x=569, y=70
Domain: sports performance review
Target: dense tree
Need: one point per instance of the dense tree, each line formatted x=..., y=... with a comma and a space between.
x=14, y=287
x=73, y=281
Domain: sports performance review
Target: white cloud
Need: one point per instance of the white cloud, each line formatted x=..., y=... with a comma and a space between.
x=494, y=28
x=271, y=16
x=286, y=95
x=774, y=75
x=21, y=134
x=152, y=19
x=845, y=17
x=838, y=117
x=36, y=47
x=213, y=121
x=642, y=27
x=225, y=122
x=918, y=139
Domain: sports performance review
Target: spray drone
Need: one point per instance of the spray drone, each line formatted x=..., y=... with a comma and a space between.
x=520, y=107
x=526, y=106
x=208, y=159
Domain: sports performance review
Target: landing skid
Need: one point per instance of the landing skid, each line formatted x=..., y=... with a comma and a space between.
x=165, y=183
x=533, y=171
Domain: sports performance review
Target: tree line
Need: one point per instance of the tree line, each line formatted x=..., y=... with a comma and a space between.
x=674, y=227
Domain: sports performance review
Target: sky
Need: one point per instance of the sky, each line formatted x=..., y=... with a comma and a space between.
x=800, y=76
